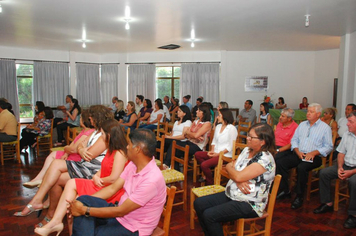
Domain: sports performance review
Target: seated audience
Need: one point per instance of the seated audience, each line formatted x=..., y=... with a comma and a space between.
x=281, y=104
x=166, y=111
x=186, y=102
x=130, y=118
x=73, y=121
x=141, y=205
x=304, y=104
x=39, y=107
x=69, y=153
x=139, y=103
x=60, y=171
x=184, y=120
x=166, y=102
x=268, y=101
x=220, y=106
x=284, y=132
x=311, y=140
x=224, y=136
x=113, y=107
x=342, y=122
x=254, y=167
x=42, y=128
x=247, y=114
x=119, y=110
x=329, y=118
x=156, y=115
x=111, y=168
x=344, y=169
x=61, y=114
x=195, y=108
x=197, y=135
x=175, y=105
x=145, y=111
x=264, y=117
x=8, y=124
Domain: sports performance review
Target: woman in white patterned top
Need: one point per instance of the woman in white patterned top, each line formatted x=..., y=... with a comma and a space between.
x=246, y=194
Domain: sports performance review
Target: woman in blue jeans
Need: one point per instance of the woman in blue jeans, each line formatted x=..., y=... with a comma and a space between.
x=156, y=115
x=246, y=193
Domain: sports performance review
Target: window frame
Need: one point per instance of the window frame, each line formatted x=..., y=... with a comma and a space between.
x=170, y=78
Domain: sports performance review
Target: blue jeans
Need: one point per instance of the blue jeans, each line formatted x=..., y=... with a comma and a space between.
x=151, y=127
x=214, y=209
x=90, y=226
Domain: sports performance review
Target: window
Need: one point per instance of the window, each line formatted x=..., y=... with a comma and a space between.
x=167, y=82
x=24, y=73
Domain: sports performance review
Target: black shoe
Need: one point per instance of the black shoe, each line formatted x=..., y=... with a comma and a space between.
x=297, y=203
x=283, y=195
x=350, y=223
x=323, y=208
x=201, y=180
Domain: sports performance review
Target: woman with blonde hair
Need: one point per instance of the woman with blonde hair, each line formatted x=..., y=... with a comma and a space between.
x=130, y=118
x=120, y=112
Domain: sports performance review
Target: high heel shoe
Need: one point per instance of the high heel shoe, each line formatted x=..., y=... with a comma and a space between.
x=32, y=184
x=40, y=225
x=29, y=206
x=44, y=231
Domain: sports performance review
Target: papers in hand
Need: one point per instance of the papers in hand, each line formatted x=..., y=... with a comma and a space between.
x=310, y=161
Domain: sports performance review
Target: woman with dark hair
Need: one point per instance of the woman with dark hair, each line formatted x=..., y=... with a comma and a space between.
x=73, y=121
x=246, y=193
x=39, y=107
x=264, y=117
x=112, y=166
x=220, y=106
x=224, y=136
x=69, y=153
x=197, y=134
x=130, y=118
x=145, y=111
x=156, y=115
x=304, y=105
x=92, y=151
x=281, y=104
x=42, y=128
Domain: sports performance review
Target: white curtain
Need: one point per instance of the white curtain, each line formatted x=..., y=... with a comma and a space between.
x=88, y=84
x=8, y=84
x=109, y=82
x=50, y=82
x=142, y=81
x=200, y=79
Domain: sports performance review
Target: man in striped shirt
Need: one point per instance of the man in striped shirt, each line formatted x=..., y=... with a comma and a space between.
x=311, y=140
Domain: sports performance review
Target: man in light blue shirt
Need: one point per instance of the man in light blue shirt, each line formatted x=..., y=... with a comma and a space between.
x=311, y=140
x=186, y=99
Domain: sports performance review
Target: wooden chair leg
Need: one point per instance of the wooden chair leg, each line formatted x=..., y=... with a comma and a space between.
x=240, y=227
x=310, y=175
x=185, y=186
x=337, y=196
x=18, y=153
x=2, y=155
x=192, y=211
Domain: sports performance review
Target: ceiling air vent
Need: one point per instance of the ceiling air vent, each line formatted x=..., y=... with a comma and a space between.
x=169, y=47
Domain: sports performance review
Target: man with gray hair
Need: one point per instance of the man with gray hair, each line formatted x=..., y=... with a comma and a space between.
x=344, y=169
x=311, y=140
x=284, y=132
x=112, y=106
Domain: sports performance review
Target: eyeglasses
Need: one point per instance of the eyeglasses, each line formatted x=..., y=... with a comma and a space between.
x=250, y=137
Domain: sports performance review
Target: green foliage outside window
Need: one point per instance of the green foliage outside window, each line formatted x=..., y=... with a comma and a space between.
x=165, y=77
x=24, y=87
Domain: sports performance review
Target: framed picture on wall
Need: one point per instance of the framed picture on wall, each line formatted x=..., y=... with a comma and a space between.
x=256, y=84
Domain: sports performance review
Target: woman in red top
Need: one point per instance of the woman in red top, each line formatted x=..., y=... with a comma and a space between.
x=304, y=104
x=112, y=166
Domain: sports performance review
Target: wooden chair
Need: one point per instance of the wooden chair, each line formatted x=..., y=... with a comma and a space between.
x=172, y=176
x=313, y=175
x=8, y=149
x=196, y=167
x=45, y=141
x=72, y=134
x=341, y=193
x=210, y=189
x=242, y=131
x=267, y=215
x=160, y=150
x=166, y=214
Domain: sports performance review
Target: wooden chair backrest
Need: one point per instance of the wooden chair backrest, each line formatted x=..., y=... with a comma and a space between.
x=167, y=210
x=242, y=131
x=330, y=160
x=237, y=148
x=220, y=169
x=184, y=160
x=160, y=150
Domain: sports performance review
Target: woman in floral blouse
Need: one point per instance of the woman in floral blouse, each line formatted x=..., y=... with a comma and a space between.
x=42, y=128
x=246, y=193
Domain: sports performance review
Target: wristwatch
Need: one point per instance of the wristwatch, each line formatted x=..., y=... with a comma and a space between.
x=277, y=149
x=87, y=212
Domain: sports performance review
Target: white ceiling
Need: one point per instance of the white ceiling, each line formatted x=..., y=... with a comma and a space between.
x=233, y=25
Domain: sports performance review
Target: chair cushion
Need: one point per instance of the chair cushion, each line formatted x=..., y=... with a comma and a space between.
x=57, y=149
x=9, y=143
x=158, y=162
x=171, y=176
x=208, y=190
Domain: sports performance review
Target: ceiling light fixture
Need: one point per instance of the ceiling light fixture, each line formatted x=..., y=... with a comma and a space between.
x=84, y=45
x=192, y=38
x=0, y=8
x=307, y=20
x=192, y=44
x=127, y=17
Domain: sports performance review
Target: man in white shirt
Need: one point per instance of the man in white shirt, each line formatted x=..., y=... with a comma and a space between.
x=139, y=103
x=342, y=123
